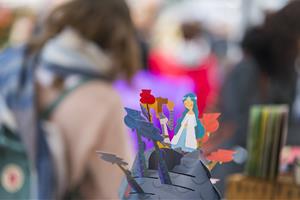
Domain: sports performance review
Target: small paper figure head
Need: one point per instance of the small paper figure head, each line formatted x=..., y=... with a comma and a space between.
x=190, y=102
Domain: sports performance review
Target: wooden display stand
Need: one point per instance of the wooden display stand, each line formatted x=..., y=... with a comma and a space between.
x=243, y=187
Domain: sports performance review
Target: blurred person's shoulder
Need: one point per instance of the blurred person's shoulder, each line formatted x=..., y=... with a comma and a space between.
x=91, y=100
x=241, y=82
x=246, y=67
x=99, y=92
x=242, y=74
x=12, y=56
x=98, y=88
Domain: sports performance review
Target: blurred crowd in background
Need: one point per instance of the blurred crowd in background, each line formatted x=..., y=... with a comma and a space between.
x=230, y=53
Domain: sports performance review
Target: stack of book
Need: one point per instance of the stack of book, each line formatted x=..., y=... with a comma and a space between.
x=267, y=134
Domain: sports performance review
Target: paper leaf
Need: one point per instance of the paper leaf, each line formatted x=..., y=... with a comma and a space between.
x=131, y=117
x=221, y=155
x=134, y=113
x=205, y=138
x=141, y=157
x=210, y=122
x=111, y=158
x=148, y=130
x=130, y=122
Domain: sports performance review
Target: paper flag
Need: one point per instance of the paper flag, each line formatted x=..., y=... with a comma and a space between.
x=160, y=102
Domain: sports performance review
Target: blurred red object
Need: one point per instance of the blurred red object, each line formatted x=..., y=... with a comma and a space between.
x=221, y=155
x=204, y=75
x=210, y=122
x=6, y=17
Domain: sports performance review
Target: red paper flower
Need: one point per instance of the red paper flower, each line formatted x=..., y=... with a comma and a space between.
x=221, y=155
x=210, y=122
x=147, y=97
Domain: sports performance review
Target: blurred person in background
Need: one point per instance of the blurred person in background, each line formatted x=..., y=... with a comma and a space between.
x=14, y=21
x=25, y=24
x=82, y=47
x=6, y=19
x=144, y=14
x=266, y=75
x=190, y=56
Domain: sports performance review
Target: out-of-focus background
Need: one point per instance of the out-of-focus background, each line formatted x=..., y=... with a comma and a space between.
x=218, y=49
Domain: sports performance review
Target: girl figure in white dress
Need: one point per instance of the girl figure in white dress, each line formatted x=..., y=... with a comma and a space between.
x=189, y=128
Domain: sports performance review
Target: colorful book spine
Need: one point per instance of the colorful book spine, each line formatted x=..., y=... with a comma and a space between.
x=266, y=137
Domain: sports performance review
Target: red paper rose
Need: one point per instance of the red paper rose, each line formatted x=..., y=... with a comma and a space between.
x=147, y=97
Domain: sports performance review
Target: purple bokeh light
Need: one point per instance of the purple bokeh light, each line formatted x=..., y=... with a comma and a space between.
x=173, y=88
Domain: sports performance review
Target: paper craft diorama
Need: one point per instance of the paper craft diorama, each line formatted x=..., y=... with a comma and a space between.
x=175, y=168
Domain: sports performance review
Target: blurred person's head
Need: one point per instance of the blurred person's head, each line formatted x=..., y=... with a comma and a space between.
x=107, y=23
x=144, y=14
x=274, y=45
x=193, y=47
x=191, y=30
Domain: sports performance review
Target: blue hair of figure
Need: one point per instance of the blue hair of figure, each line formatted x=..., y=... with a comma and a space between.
x=199, y=129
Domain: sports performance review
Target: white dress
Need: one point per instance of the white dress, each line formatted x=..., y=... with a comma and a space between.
x=190, y=140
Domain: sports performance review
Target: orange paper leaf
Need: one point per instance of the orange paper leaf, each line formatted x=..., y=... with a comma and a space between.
x=221, y=155
x=210, y=122
x=205, y=138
